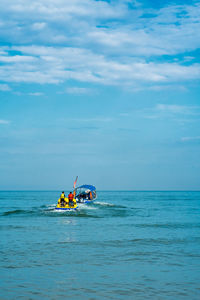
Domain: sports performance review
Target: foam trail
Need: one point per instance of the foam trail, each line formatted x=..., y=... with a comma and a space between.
x=50, y=206
x=61, y=211
x=104, y=203
x=85, y=206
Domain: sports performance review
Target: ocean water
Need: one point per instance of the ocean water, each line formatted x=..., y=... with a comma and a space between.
x=126, y=245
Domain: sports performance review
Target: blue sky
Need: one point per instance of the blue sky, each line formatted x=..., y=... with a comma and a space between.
x=107, y=90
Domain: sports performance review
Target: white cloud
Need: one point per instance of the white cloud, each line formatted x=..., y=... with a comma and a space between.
x=4, y=88
x=39, y=26
x=39, y=64
x=16, y=59
x=178, y=113
x=77, y=90
x=168, y=87
x=171, y=108
x=178, y=109
x=36, y=94
x=107, y=43
x=113, y=26
x=93, y=120
x=61, y=10
x=4, y=122
x=190, y=138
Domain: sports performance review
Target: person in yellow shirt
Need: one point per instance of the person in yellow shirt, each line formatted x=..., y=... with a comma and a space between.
x=62, y=200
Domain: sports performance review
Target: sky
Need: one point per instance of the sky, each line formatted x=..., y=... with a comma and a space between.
x=106, y=90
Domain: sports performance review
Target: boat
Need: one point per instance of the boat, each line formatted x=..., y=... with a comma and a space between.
x=66, y=205
x=85, y=193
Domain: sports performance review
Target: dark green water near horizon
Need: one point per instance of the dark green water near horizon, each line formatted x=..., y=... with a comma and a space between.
x=125, y=245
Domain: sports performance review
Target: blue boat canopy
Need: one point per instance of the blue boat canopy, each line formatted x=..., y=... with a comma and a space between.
x=87, y=186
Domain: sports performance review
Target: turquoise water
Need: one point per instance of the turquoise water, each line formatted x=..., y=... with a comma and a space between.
x=126, y=245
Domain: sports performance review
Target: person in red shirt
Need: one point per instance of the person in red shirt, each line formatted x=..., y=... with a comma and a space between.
x=71, y=198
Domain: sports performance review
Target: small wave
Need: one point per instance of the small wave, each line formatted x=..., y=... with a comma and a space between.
x=13, y=212
x=71, y=213
x=7, y=227
x=61, y=211
x=50, y=206
x=83, y=210
x=85, y=206
x=169, y=225
x=21, y=212
x=104, y=203
x=80, y=206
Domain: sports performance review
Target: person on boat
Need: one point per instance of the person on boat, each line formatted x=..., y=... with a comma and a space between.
x=71, y=199
x=62, y=199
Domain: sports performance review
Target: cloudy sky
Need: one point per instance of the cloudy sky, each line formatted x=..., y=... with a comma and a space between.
x=107, y=90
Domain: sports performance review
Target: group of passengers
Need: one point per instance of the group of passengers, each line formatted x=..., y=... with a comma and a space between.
x=85, y=195
x=70, y=200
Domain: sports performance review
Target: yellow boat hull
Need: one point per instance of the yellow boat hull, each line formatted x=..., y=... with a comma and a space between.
x=66, y=206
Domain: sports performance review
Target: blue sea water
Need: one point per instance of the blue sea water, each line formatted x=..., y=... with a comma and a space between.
x=126, y=245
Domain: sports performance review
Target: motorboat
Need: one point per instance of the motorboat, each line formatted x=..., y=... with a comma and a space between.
x=85, y=193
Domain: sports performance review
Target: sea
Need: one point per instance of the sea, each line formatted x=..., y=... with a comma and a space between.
x=125, y=245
